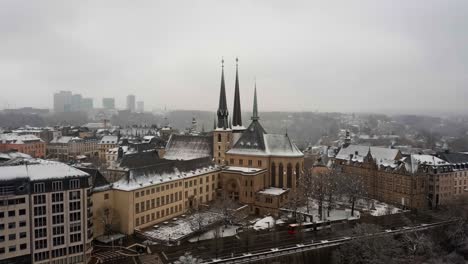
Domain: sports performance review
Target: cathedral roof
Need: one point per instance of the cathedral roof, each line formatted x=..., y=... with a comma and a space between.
x=188, y=147
x=256, y=141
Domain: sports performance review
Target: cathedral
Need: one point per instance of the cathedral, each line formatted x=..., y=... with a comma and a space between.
x=258, y=169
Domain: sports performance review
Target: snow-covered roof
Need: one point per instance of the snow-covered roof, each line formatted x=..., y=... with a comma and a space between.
x=109, y=140
x=234, y=128
x=12, y=138
x=38, y=170
x=273, y=191
x=144, y=178
x=358, y=152
x=281, y=145
x=14, y=155
x=255, y=141
x=116, y=150
x=242, y=169
x=429, y=160
x=188, y=147
x=64, y=140
x=414, y=161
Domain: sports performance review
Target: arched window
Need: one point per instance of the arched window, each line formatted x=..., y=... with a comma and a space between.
x=289, y=175
x=280, y=174
x=273, y=174
x=219, y=137
x=298, y=172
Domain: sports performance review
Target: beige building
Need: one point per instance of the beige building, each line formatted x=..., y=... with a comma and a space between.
x=105, y=144
x=255, y=163
x=154, y=194
x=413, y=181
x=47, y=214
x=70, y=148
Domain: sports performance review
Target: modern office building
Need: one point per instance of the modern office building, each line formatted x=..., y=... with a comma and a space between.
x=140, y=107
x=62, y=101
x=131, y=103
x=45, y=213
x=108, y=103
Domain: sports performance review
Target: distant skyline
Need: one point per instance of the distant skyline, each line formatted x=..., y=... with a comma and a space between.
x=347, y=56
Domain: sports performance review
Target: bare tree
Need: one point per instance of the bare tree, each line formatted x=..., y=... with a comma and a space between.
x=371, y=250
x=417, y=244
x=108, y=217
x=352, y=186
x=217, y=239
x=197, y=223
x=229, y=209
x=332, y=190
x=296, y=200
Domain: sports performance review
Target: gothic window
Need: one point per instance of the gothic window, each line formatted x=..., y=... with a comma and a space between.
x=297, y=171
x=273, y=174
x=280, y=174
x=219, y=137
x=289, y=176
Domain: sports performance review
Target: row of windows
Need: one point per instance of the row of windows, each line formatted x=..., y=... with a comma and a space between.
x=201, y=190
x=155, y=215
x=56, y=197
x=12, y=213
x=249, y=162
x=12, y=225
x=13, y=236
x=289, y=172
x=157, y=189
x=56, y=186
x=12, y=201
x=173, y=185
x=160, y=201
x=13, y=248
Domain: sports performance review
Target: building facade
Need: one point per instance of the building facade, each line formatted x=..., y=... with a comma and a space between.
x=108, y=103
x=412, y=181
x=28, y=144
x=106, y=143
x=46, y=214
x=131, y=103
x=69, y=148
x=155, y=193
x=254, y=163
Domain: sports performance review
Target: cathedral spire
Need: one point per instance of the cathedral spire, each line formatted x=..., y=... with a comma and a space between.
x=237, y=117
x=255, y=108
x=223, y=112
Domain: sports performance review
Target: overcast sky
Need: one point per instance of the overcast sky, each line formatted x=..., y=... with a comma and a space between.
x=305, y=55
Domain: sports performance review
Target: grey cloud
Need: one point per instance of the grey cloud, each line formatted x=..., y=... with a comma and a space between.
x=306, y=55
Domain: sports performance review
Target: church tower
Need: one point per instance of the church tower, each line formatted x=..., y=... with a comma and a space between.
x=237, y=127
x=222, y=134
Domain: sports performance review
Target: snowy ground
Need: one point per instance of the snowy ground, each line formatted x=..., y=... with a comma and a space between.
x=384, y=209
x=182, y=227
x=228, y=231
x=334, y=214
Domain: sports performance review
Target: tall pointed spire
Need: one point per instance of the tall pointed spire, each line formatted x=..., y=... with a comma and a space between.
x=223, y=112
x=237, y=116
x=255, y=107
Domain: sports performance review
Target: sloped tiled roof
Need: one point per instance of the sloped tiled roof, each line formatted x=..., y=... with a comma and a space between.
x=453, y=157
x=139, y=159
x=358, y=153
x=188, y=147
x=256, y=141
